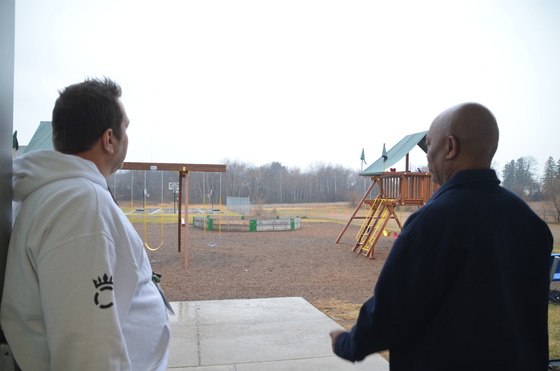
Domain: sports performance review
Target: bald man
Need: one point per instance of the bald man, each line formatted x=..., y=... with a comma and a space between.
x=465, y=286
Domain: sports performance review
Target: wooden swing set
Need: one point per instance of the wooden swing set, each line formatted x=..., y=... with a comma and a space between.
x=183, y=199
x=404, y=188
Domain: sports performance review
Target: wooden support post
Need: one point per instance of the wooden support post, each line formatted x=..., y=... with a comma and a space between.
x=186, y=252
x=406, y=168
x=180, y=209
x=404, y=190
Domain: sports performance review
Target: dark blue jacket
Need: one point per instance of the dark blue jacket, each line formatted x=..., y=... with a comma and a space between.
x=465, y=286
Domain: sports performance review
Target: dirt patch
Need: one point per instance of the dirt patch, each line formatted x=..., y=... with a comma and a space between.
x=304, y=262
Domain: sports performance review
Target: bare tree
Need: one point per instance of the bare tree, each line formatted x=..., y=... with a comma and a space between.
x=551, y=185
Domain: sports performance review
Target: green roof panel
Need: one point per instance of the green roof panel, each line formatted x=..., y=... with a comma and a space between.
x=42, y=139
x=396, y=153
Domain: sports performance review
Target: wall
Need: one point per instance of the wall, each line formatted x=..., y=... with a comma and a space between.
x=7, y=25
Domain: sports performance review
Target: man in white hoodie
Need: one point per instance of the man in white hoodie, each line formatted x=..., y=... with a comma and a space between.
x=78, y=292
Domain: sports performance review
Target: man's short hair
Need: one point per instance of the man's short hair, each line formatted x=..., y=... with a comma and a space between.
x=83, y=112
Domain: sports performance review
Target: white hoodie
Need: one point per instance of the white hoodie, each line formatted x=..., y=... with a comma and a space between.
x=78, y=293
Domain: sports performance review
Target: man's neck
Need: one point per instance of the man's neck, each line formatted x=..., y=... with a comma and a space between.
x=92, y=156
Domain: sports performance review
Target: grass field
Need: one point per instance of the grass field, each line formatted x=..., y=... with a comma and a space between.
x=554, y=330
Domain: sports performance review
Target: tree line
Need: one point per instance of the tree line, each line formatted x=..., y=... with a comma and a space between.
x=276, y=183
x=520, y=177
x=270, y=183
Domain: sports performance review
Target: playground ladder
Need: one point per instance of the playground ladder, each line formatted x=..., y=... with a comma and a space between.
x=380, y=212
x=367, y=224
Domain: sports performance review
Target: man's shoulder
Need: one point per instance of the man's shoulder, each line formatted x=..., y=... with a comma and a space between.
x=70, y=193
x=75, y=185
x=444, y=207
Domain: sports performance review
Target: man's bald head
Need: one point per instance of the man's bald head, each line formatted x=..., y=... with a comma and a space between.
x=462, y=137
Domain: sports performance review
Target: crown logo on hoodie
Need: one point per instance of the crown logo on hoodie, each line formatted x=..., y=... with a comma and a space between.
x=103, y=287
x=106, y=281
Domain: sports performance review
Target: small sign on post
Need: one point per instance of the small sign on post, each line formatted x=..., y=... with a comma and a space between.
x=174, y=186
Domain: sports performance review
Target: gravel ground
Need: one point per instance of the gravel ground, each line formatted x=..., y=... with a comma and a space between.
x=305, y=262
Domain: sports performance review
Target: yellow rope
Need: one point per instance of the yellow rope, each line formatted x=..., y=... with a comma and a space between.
x=161, y=219
x=204, y=221
x=161, y=232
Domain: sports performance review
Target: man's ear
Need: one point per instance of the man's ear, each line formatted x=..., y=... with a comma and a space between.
x=452, y=147
x=108, y=141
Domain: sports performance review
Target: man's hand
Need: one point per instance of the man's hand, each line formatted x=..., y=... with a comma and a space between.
x=334, y=334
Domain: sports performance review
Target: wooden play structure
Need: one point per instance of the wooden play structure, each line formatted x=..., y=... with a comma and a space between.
x=183, y=170
x=396, y=188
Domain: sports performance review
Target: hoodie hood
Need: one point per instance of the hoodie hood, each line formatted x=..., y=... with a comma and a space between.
x=33, y=170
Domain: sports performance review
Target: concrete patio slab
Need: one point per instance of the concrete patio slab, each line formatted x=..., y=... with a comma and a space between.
x=273, y=334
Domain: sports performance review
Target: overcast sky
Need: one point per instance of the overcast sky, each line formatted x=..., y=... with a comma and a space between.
x=298, y=82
